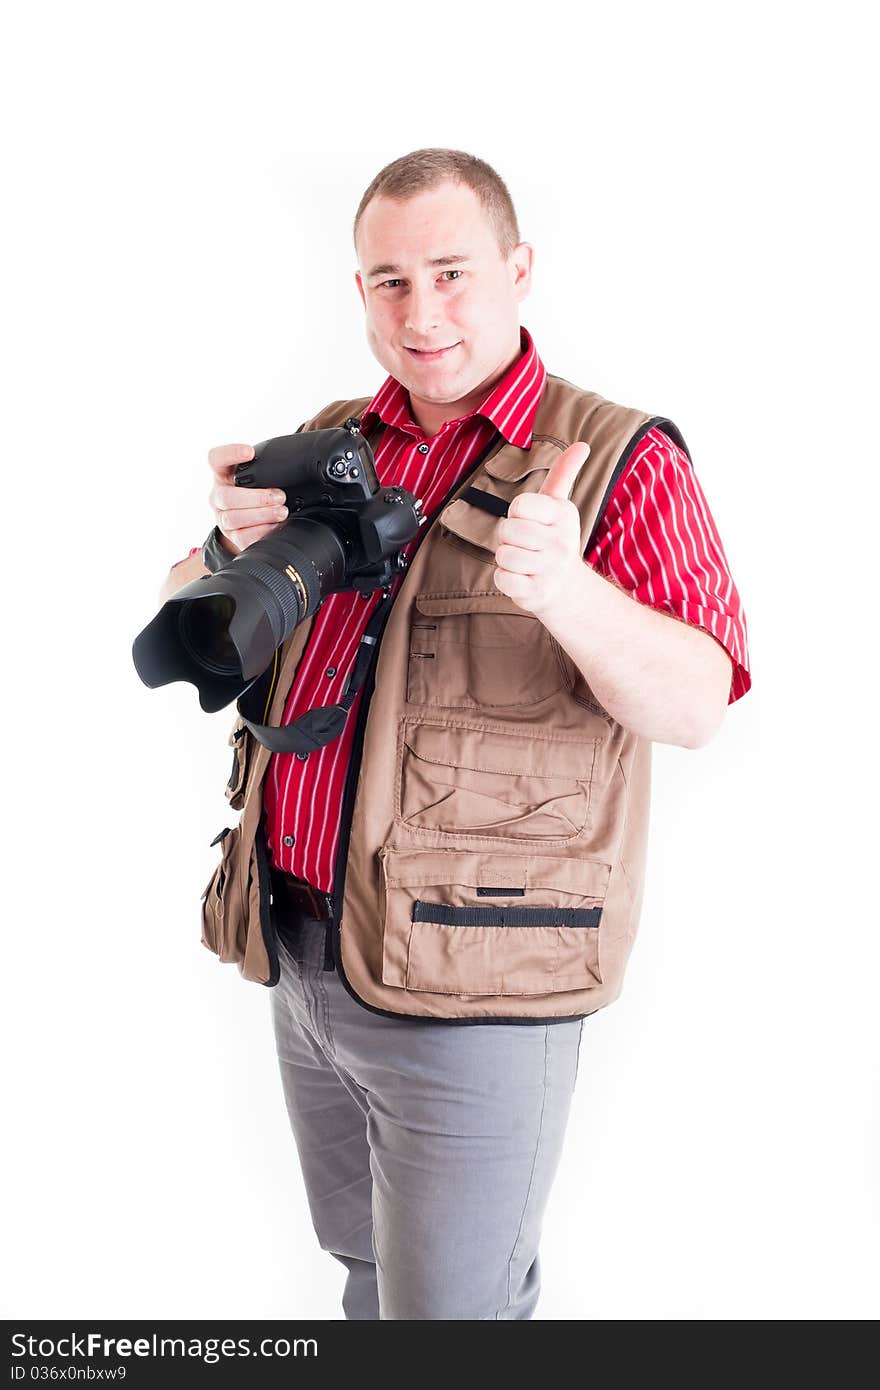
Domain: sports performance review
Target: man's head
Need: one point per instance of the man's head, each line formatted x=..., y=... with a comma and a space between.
x=424, y=206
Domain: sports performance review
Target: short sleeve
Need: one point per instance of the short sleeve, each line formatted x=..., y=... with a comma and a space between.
x=658, y=540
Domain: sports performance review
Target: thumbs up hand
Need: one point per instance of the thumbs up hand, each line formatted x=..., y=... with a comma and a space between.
x=539, y=556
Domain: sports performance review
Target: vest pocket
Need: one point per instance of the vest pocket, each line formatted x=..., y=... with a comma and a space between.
x=472, y=923
x=220, y=921
x=478, y=649
x=467, y=779
x=240, y=744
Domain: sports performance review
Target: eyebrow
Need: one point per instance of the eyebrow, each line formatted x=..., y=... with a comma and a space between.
x=389, y=269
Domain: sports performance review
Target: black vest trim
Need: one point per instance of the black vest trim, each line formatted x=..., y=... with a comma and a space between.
x=656, y=420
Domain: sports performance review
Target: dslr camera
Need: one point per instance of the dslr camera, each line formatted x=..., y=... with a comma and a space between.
x=343, y=532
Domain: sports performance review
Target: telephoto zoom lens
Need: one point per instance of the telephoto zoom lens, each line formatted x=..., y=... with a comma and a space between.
x=220, y=632
x=204, y=632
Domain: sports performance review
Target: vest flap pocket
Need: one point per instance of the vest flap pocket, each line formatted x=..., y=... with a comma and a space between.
x=524, y=752
x=471, y=524
x=222, y=917
x=240, y=744
x=506, y=470
x=477, y=649
x=486, y=923
x=511, y=465
x=470, y=601
x=479, y=782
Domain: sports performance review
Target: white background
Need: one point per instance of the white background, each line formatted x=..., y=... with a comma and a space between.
x=181, y=183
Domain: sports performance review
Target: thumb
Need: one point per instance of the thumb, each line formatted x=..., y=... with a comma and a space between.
x=559, y=480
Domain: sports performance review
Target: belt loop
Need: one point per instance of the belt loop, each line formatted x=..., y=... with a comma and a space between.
x=329, y=963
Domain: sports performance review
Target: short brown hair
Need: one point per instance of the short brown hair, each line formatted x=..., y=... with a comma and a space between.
x=422, y=169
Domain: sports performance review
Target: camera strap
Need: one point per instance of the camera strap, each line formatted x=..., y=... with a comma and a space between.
x=320, y=726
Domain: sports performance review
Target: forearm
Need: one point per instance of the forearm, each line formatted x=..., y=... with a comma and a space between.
x=193, y=567
x=656, y=675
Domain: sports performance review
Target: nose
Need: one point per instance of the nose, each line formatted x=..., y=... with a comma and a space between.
x=422, y=312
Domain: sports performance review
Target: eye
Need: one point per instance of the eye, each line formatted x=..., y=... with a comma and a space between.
x=385, y=283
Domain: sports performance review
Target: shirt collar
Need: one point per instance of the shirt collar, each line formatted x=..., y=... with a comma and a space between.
x=511, y=405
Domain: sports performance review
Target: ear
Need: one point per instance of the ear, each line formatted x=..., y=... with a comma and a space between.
x=360, y=284
x=522, y=257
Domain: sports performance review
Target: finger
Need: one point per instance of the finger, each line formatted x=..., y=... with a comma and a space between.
x=511, y=584
x=518, y=531
x=565, y=469
x=224, y=458
x=535, y=506
x=512, y=557
x=226, y=499
x=248, y=534
x=238, y=518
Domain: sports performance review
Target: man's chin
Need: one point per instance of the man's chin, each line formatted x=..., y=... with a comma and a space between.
x=441, y=387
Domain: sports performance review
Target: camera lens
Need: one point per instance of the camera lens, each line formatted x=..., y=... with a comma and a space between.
x=204, y=633
x=221, y=631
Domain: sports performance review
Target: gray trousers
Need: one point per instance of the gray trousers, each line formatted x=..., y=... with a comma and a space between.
x=427, y=1150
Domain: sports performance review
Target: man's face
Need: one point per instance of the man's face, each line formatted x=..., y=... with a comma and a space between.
x=468, y=307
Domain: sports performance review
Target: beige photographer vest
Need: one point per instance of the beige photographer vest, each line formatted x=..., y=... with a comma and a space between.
x=492, y=849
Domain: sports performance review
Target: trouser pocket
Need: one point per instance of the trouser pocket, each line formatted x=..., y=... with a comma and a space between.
x=471, y=922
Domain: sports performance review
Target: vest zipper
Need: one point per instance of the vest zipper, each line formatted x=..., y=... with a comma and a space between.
x=332, y=949
x=329, y=961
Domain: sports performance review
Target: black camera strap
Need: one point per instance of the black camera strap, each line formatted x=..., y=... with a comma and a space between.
x=321, y=725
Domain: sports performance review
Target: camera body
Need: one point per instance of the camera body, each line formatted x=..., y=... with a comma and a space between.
x=343, y=532
x=329, y=476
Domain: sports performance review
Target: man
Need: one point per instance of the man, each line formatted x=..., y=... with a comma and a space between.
x=456, y=877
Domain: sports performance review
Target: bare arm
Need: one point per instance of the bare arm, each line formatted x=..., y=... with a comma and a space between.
x=656, y=675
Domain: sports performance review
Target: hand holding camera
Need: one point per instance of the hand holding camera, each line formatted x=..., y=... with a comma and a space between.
x=343, y=531
x=242, y=515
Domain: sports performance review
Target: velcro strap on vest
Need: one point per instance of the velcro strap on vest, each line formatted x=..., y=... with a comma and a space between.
x=447, y=915
x=486, y=501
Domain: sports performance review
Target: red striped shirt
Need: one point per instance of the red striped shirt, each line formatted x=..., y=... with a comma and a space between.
x=657, y=539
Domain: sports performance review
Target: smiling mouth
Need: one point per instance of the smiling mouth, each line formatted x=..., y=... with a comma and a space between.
x=431, y=356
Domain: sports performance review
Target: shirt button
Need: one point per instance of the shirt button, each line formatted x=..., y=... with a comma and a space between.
x=331, y=671
x=302, y=757
x=288, y=840
x=423, y=448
